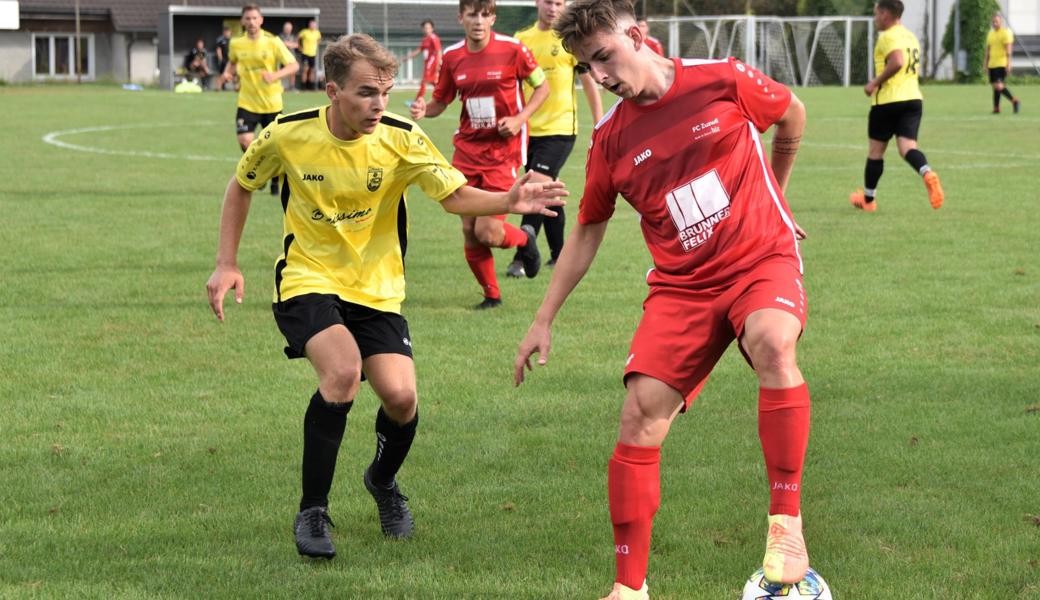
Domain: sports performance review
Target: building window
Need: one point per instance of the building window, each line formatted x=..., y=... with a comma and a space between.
x=54, y=56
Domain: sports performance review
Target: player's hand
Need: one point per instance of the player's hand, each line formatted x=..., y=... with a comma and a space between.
x=222, y=280
x=799, y=233
x=870, y=88
x=538, y=339
x=268, y=77
x=526, y=198
x=418, y=108
x=509, y=126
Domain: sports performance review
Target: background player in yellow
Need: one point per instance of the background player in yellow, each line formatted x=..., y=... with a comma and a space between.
x=896, y=106
x=309, y=39
x=554, y=126
x=339, y=282
x=255, y=57
x=998, y=61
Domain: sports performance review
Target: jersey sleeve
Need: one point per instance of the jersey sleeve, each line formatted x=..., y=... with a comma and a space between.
x=886, y=43
x=261, y=160
x=285, y=56
x=525, y=63
x=232, y=51
x=427, y=168
x=1008, y=37
x=445, y=90
x=761, y=99
x=599, y=198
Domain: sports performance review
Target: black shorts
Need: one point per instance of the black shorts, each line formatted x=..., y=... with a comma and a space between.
x=895, y=118
x=376, y=332
x=997, y=75
x=547, y=154
x=307, y=61
x=246, y=122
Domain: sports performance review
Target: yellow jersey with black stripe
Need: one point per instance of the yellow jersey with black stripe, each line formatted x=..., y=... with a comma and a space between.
x=252, y=58
x=309, y=39
x=997, y=40
x=559, y=114
x=903, y=85
x=346, y=220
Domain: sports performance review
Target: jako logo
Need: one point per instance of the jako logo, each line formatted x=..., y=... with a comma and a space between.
x=310, y=177
x=787, y=487
x=645, y=154
x=621, y=549
x=784, y=301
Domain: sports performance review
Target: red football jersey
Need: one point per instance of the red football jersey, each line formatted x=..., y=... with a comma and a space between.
x=693, y=166
x=489, y=85
x=655, y=44
x=431, y=52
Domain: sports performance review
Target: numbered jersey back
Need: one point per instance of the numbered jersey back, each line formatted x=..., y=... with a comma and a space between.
x=903, y=85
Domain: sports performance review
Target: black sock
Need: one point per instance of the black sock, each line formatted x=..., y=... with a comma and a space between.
x=323, y=428
x=554, y=232
x=996, y=99
x=871, y=177
x=392, y=444
x=1007, y=94
x=917, y=160
x=534, y=221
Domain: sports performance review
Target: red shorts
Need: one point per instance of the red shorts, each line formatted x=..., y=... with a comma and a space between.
x=499, y=178
x=684, y=333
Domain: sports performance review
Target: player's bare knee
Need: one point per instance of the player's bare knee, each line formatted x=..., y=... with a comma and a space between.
x=773, y=351
x=399, y=404
x=341, y=383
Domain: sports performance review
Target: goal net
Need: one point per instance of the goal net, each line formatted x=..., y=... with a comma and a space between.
x=792, y=50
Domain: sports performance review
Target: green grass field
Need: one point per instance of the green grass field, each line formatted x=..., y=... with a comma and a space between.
x=149, y=451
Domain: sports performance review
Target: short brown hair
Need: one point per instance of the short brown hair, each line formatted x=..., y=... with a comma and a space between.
x=478, y=5
x=893, y=7
x=584, y=18
x=248, y=7
x=341, y=55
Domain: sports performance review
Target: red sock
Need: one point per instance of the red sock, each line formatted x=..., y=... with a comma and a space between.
x=482, y=263
x=634, y=488
x=514, y=237
x=783, y=428
x=422, y=89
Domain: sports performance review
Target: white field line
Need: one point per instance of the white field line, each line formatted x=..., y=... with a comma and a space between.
x=52, y=138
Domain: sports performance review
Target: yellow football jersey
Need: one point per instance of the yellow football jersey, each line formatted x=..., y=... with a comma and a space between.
x=309, y=39
x=252, y=58
x=346, y=220
x=903, y=85
x=997, y=42
x=559, y=114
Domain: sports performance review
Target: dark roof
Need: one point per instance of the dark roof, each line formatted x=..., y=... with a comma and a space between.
x=143, y=15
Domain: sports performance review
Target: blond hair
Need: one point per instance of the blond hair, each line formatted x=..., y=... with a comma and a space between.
x=584, y=18
x=341, y=55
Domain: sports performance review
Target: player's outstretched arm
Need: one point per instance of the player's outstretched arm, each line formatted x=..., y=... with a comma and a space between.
x=524, y=198
x=227, y=276
x=510, y=126
x=285, y=71
x=787, y=137
x=578, y=251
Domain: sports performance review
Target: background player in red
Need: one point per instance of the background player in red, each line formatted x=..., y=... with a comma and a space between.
x=486, y=70
x=651, y=41
x=683, y=148
x=430, y=48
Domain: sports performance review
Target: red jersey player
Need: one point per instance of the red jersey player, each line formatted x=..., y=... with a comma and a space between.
x=430, y=48
x=651, y=41
x=682, y=146
x=486, y=70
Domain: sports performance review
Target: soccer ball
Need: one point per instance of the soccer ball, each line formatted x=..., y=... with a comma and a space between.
x=813, y=586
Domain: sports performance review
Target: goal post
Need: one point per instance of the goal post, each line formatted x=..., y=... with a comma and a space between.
x=799, y=51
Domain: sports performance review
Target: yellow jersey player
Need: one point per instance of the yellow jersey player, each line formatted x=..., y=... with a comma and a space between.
x=308, y=40
x=255, y=57
x=896, y=106
x=998, y=61
x=554, y=126
x=339, y=282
